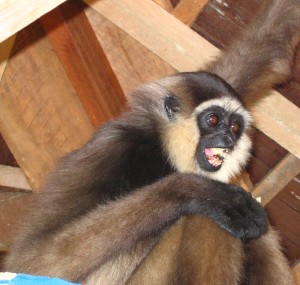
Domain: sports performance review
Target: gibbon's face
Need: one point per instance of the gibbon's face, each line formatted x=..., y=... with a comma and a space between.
x=208, y=126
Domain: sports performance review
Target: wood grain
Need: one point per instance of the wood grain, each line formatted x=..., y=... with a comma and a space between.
x=277, y=179
x=41, y=117
x=84, y=62
x=222, y=21
x=276, y=117
x=17, y=14
x=132, y=62
x=287, y=222
x=146, y=22
x=187, y=11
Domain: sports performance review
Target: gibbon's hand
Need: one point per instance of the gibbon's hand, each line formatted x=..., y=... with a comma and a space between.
x=242, y=216
x=233, y=209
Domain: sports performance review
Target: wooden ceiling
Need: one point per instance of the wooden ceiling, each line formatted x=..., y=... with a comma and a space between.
x=67, y=72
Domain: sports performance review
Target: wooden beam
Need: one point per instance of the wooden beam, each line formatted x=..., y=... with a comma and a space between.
x=17, y=14
x=146, y=22
x=185, y=50
x=277, y=117
x=41, y=117
x=277, y=179
x=133, y=63
x=187, y=11
x=13, y=177
x=86, y=65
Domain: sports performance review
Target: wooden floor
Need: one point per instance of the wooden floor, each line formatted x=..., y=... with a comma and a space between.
x=219, y=22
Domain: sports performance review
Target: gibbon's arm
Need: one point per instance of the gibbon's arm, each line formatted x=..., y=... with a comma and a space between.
x=262, y=55
x=111, y=229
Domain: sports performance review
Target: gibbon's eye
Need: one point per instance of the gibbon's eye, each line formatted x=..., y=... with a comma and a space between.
x=235, y=127
x=213, y=119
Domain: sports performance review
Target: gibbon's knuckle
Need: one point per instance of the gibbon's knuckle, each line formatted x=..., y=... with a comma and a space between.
x=246, y=219
x=257, y=223
x=232, y=225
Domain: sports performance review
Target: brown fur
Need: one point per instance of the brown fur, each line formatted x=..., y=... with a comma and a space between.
x=181, y=256
x=262, y=56
x=131, y=240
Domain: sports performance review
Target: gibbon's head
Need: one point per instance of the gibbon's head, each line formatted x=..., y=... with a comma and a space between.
x=203, y=124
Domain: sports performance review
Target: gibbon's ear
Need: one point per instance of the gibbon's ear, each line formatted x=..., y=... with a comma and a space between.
x=172, y=106
x=155, y=99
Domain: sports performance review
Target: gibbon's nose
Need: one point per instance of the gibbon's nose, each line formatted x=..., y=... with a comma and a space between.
x=227, y=141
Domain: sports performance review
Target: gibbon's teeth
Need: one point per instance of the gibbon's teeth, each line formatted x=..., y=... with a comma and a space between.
x=216, y=156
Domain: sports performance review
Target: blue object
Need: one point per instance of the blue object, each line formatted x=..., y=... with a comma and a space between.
x=25, y=279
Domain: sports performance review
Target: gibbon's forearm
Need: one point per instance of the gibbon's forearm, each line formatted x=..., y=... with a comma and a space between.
x=262, y=55
x=117, y=226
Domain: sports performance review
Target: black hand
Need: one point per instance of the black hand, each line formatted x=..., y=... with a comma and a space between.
x=240, y=214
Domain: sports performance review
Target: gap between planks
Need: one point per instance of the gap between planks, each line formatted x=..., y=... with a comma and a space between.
x=5, y=49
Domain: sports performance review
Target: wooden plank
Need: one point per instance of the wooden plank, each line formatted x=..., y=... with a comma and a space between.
x=13, y=207
x=146, y=22
x=17, y=14
x=291, y=195
x=5, y=48
x=85, y=64
x=276, y=117
x=41, y=117
x=13, y=177
x=222, y=21
x=187, y=11
x=277, y=179
x=186, y=50
x=132, y=62
x=287, y=222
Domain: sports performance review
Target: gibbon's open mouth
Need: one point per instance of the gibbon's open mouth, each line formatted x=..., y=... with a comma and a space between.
x=216, y=156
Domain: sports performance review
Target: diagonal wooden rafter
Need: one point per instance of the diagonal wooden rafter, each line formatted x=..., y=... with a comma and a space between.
x=16, y=14
x=277, y=179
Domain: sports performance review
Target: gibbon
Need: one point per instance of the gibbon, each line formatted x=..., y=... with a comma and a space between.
x=148, y=200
